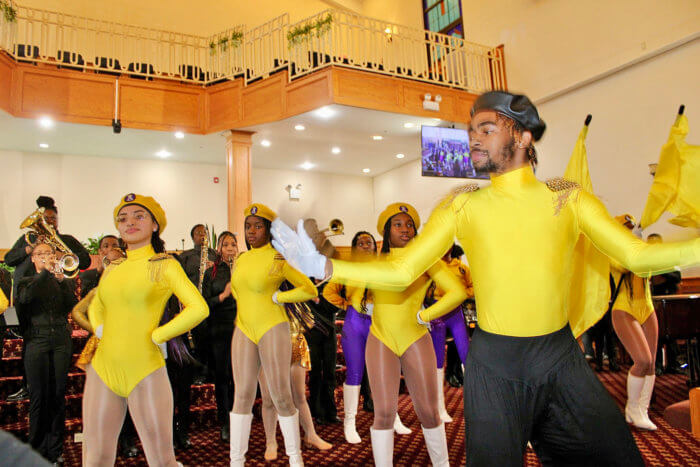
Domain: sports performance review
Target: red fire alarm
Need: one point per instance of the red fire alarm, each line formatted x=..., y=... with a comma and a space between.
x=216, y=179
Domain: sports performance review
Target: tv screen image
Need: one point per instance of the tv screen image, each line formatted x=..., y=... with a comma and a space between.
x=445, y=153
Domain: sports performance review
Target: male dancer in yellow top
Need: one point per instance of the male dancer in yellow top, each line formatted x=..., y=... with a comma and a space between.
x=528, y=381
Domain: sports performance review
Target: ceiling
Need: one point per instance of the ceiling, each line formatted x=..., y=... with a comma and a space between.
x=348, y=128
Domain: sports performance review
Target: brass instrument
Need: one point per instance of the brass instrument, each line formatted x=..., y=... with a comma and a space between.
x=335, y=227
x=320, y=237
x=203, y=258
x=36, y=224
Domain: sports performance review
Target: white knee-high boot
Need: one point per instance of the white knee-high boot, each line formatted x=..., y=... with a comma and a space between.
x=645, y=398
x=634, y=412
x=351, y=397
x=444, y=416
x=292, y=438
x=399, y=427
x=239, y=432
x=436, y=442
x=382, y=447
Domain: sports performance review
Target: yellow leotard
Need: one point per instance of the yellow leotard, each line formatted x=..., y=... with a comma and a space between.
x=636, y=302
x=258, y=275
x=129, y=304
x=461, y=272
x=4, y=303
x=394, y=317
x=519, y=236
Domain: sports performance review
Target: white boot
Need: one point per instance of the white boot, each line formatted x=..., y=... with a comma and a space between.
x=351, y=397
x=634, y=412
x=436, y=442
x=444, y=416
x=382, y=447
x=292, y=439
x=239, y=432
x=400, y=428
x=645, y=398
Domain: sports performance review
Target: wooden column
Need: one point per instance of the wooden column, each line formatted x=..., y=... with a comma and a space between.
x=238, y=163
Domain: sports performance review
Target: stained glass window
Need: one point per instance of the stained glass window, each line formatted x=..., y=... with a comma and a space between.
x=443, y=16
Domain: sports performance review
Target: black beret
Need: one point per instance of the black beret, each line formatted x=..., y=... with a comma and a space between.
x=46, y=202
x=515, y=106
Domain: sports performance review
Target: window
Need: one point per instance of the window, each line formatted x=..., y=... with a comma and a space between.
x=443, y=16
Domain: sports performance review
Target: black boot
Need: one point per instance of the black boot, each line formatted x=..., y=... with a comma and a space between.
x=20, y=395
x=225, y=435
x=368, y=404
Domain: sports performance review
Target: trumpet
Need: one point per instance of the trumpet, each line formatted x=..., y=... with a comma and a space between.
x=335, y=227
x=36, y=225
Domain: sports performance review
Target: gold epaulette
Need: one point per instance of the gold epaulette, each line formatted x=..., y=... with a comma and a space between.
x=160, y=257
x=468, y=188
x=117, y=261
x=560, y=184
x=279, y=257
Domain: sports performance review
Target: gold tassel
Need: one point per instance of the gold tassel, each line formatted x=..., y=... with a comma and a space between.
x=156, y=264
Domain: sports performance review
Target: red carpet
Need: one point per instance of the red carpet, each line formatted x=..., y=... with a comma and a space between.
x=667, y=446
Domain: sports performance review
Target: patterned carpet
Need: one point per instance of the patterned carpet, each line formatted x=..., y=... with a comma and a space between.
x=667, y=446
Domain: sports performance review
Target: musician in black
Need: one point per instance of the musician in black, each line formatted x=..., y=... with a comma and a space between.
x=44, y=300
x=222, y=315
x=190, y=261
x=19, y=258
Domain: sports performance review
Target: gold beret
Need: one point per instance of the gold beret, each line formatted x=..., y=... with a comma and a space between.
x=147, y=202
x=394, y=209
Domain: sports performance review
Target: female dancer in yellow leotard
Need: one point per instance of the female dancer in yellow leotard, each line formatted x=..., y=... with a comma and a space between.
x=261, y=337
x=399, y=341
x=635, y=323
x=128, y=367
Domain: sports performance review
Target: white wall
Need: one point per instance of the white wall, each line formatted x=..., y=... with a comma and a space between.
x=324, y=197
x=553, y=44
x=87, y=189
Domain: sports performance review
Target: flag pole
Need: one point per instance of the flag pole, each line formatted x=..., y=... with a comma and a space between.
x=589, y=117
x=681, y=109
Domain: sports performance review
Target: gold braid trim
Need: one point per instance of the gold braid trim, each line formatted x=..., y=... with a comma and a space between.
x=156, y=264
x=277, y=265
x=468, y=188
x=564, y=188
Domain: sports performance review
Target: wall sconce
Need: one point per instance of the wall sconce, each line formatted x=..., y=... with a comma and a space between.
x=652, y=169
x=430, y=103
x=294, y=192
x=388, y=32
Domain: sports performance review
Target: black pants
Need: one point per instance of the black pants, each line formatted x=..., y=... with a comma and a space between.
x=604, y=337
x=181, y=377
x=322, y=350
x=220, y=363
x=46, y=363
x=202, y=349
x=540, y=389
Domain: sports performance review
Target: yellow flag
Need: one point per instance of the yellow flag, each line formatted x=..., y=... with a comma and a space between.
x=676, y=186
x=589, y=291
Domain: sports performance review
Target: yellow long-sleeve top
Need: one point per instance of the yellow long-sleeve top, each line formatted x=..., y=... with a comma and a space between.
x=637, y=301
x=461, y=271
x=353, y=296
x=258, y=275
x=129, y=304
x=394, y=317
x=519, y=236
x=4, y=303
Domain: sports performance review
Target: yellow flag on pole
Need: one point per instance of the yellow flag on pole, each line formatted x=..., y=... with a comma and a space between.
x=589, y=291
x=676, y=186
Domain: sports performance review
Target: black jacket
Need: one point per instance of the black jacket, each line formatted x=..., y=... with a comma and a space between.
x=18, y=257
x=88, y=281
x=221, y=314
x=190, y=260
x=44, y=301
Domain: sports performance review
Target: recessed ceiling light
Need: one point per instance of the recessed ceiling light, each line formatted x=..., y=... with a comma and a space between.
x=400, y=156
x=179, y=135
x=335, y=150
x=163, y=153
x=365, y=171
x=46, y=122
x=409, y=125
x=307, y=165
x=299, y=127
x=265, y=143
x=43, y=145
x=377, y=137
x=324, y=112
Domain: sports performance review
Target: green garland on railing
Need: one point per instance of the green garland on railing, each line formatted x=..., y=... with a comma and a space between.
x=234, y=41
x=301, y=33
x=8, y=11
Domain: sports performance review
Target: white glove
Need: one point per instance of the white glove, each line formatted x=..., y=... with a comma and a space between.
x=98, y=331
x=163, y=348
x=421, y=322
x=369, y=308
x=274, y=297
x=298, y=249
x=637, y=231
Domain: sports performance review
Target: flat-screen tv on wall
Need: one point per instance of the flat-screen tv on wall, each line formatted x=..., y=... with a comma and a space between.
x=445, y=153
